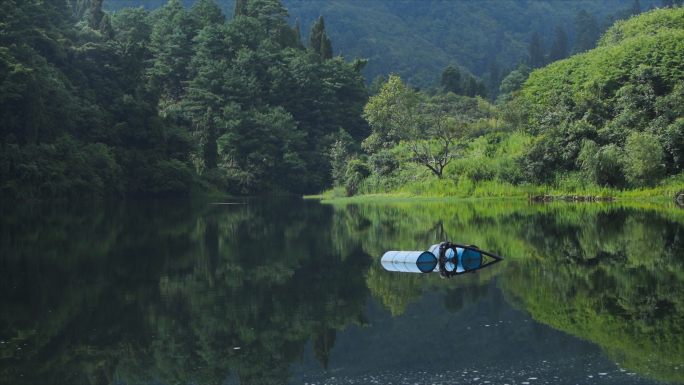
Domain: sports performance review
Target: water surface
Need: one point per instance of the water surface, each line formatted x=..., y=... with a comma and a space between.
x=286, y=291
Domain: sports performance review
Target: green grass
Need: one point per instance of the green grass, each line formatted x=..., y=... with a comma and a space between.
x=433, y=188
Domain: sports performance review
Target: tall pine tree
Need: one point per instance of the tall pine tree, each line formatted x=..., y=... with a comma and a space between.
x=326, y=47
x=96, y=15
x=319, y=41
x=106, y=27
x=451, y=80
x=210, y=150
x=470, y=88
x=296, y=29
x=587, y=32
x=559, y=47
x=316, y=34
x=494, y=79
x=79, y=7
x=536, y=52
x=481, y=89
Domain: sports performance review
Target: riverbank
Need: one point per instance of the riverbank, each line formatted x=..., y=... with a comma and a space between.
x=669, y=189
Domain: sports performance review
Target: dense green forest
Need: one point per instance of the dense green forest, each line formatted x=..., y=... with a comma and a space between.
x=598, y=123
x=137, y=103
x=417, y=39
x=98, y=99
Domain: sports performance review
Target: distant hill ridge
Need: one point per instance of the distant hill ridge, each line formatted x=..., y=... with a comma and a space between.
x=418, y=39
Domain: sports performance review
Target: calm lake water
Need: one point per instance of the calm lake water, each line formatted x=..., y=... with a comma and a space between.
x=290, y=291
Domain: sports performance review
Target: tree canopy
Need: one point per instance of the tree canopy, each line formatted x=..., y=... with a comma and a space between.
x=137, y=102
x=626, y=91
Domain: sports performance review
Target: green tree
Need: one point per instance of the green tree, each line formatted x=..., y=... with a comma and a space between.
x=392, y=115
x=376, y=86
x=537, y=51
x=106, y=27
x=339, y=157
x=443, y=144
x=297, y=32
x=171, y=47
x=316, y=35
x=270, y=13
x=384, y=163
x=357, y=171
x=79, y=7
x=587, y=32
x=95, y=15
x=206, y=12
x=450, y=81
x=326, y=47
x=142, y=100
x=494, y=79
x=319, y=41
x=133, y=23
x=513, y=82
x=635, y=9
x=470, y=86
x=642, y=160
x=481, y=89
x=240, y=8
x=602, y=165
x=559, y=47
x=627, y=85
x=210, y=148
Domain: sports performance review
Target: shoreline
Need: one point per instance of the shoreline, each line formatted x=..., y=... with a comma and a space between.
x=565, y=198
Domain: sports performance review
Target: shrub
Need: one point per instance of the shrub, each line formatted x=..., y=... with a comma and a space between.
x=384, y=162
x=601, y=165
x=357, y=171
x=642, y=159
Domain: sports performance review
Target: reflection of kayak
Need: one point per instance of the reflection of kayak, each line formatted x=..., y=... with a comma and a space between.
x=447, y=258
x=459, y=259
x=409, y=261
x=454, y=258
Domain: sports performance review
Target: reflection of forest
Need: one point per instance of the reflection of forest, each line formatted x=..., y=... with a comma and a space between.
x=616, y=279
x=610, y=274
x=182, y=292
x=172, y=292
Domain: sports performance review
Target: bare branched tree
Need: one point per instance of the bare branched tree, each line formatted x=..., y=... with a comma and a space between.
x=444, y=142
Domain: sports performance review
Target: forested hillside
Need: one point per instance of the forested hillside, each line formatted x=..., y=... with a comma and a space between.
x=597, y=123
x=137, y=103
x=417, y=39
x=177, y=100
x=616, y=112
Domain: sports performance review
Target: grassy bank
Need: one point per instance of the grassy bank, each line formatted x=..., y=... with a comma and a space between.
x=466, y=188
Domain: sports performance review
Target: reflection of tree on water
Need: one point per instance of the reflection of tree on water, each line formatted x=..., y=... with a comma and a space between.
x=173, y=293
x=167, y=292
x=614, y=279
x=323, y=344
x=611, y=274
x=457, y=299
